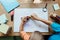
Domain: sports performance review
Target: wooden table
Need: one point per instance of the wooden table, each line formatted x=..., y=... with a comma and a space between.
x=26, y=5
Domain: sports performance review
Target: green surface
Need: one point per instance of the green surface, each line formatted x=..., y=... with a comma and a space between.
x=11, y=38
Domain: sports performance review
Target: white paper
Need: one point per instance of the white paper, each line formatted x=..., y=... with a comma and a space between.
x=37, y=1
x=3, y=18
x=31, y=25
x=4, y=28
x=56, y=6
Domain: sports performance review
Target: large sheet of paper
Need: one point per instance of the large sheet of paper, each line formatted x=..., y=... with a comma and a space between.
x=31, y=25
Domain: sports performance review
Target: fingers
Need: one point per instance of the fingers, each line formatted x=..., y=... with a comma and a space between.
x=25, y=19
x=34, y=16
x=28, y=17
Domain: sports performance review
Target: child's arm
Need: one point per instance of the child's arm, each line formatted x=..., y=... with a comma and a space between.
x=55, y=26
x=35, y=17
x=23, y=34
x=24, y=20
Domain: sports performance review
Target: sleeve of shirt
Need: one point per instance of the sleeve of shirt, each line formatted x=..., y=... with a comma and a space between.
x=54, y=37
x=24, y=35
x=55, y=26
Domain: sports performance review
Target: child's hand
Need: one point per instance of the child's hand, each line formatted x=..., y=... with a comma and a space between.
x=53, y=14
x=25, y=19
x=34, y=16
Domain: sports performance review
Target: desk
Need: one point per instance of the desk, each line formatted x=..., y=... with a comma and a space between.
x=26, y=5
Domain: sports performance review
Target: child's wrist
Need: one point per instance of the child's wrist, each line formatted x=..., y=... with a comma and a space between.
x=22, y=23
